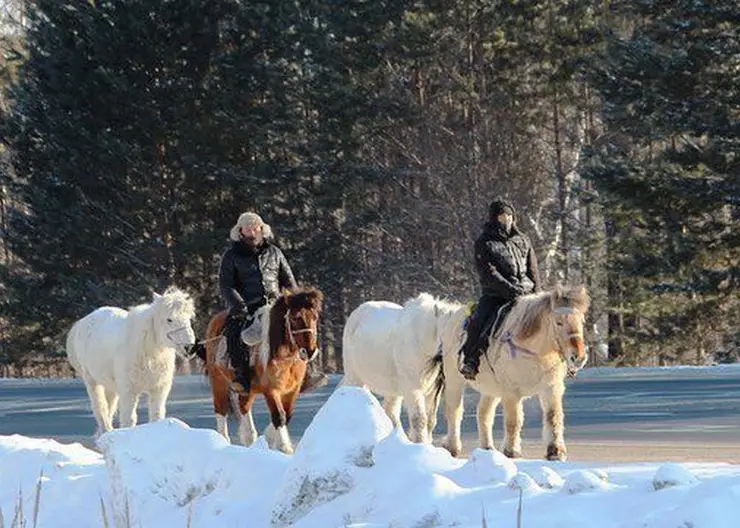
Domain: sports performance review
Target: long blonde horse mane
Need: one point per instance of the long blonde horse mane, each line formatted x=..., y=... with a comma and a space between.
x=526, y=317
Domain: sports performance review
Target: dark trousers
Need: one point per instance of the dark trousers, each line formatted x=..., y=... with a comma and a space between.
x=235, y=347
x=485, y=320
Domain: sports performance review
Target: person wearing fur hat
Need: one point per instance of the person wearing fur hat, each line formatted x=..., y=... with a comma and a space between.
x=252, y=273
x=507, y=269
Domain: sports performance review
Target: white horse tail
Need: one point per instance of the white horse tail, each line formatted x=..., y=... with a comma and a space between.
x=435, y=371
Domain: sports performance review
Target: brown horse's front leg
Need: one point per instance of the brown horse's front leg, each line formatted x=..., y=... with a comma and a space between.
x=221, y=404
x=289, y=404
x=277, y=432
x=247, y=430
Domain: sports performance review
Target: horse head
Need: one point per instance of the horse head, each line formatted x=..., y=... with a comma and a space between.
x=568, y=308
x=173, y=312
x=294, y=320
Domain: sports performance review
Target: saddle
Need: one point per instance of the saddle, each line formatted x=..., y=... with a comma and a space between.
x=251, y=335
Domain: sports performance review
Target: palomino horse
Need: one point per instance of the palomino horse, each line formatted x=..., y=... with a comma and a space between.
x=387, y=348
x=538, y=344
x=289, y=341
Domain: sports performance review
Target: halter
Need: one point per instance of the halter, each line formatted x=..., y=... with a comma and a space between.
x=291, y=333
x=187, y=355
x=176, y=331
x=567, y=310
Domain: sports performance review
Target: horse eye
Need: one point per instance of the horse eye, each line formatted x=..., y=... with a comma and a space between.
x=559, y=323
x=169, y=320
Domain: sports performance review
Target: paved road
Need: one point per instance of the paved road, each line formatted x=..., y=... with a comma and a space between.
x=632, y=411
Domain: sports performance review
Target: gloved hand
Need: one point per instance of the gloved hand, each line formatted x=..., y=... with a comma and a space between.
x=239, y=312
x=518, y=291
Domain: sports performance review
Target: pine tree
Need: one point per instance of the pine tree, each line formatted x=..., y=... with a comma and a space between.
x=668, y=168
x=104, y=149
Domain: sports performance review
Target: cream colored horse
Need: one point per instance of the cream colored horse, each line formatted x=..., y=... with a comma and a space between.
x=538, y=344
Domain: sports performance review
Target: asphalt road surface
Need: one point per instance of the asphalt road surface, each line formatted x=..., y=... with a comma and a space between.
x=611, y=414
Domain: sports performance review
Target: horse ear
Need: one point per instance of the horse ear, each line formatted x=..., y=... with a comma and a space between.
x=155, y=295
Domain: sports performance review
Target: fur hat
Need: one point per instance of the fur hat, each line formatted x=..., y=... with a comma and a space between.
x=249, y=220
x=500, y=206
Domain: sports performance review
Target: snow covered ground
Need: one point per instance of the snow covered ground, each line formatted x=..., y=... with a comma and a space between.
x=350, y=469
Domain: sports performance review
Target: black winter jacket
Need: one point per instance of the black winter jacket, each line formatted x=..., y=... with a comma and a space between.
x=247, y=276
x=507, y=264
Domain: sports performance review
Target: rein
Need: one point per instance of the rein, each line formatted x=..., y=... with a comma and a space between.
x=508, y=339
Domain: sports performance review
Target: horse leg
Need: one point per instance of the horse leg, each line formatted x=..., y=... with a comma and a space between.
x=432, y=405
x=277, y=431
x=553, y=423
x=158, y=402
x=99, y=407
x=128, y=404
x=111, y=397
x=247, y=430
x=514, y=419
x=392, y=406
x=221, y=401
x=417, y=411
x=454, y=412
x=486, y=415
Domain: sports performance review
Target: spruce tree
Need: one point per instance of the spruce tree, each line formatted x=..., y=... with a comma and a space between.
x=668, y=170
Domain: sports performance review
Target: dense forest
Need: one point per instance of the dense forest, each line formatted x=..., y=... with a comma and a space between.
x=372, y=136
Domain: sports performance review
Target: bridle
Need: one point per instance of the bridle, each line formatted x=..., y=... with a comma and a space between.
x=188, y=354
x=292, y=333
x=578, y=335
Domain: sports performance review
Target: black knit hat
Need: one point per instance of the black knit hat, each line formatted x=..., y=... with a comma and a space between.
x=500, y=206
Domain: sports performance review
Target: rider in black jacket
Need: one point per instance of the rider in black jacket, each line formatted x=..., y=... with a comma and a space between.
x=507, y=269
x=252, y=273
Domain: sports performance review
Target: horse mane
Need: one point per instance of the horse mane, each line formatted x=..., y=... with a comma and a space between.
x=427, y=301
x=525, y=319
x=274, y=329
x=177, y=302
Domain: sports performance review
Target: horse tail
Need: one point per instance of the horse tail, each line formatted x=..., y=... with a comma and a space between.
x=435, y=369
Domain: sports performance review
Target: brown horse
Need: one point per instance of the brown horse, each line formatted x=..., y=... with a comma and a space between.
x=289, y=341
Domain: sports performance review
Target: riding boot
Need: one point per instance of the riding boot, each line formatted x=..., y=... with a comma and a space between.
x=314, y=378
x=237, y=354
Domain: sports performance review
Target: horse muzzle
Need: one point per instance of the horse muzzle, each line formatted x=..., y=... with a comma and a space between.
x=307, y=356
x=575, y=363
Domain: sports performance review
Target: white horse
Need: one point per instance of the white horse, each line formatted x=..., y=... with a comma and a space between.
x=121, y=354
x=538, y=344
x=389, y=348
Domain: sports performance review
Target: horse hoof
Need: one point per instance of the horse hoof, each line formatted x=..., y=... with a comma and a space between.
x=510, y=453
x=454, y=451
x=556, y=453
